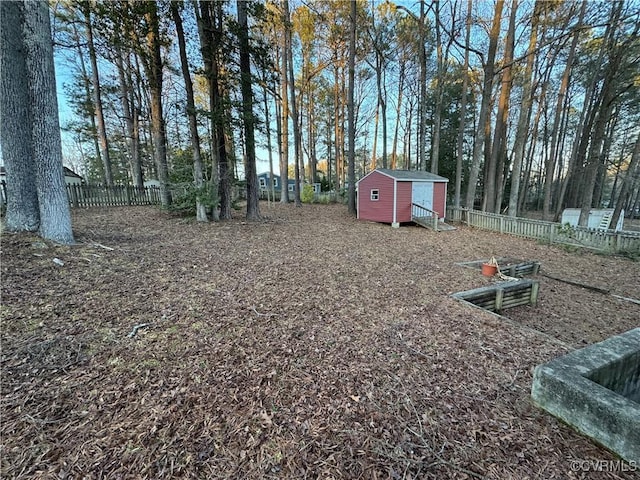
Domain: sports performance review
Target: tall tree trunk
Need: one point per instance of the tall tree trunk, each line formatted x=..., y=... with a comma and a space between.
x=394, y=150
x=422, y=131
x=139, y=103
x=524, y=115
x=618, y=165
x=351, y=115
x=493, y=180
x=97, y=96
x=630, y=177
x=606, y=105
x=86, y=83
x=601, y=177
x=374, y=149
x=198, y=177
x=55, y=215
x=130, y=116
x=571, y=185
x=267, y=124
x=278, y=114
x=293, y=103
x=437, y=114
x=313, y=138
x=220, y=113
x=463, y=109
x=155, y=78
x=15, y=128
x=253, y=206
x=284, y=141
x=382, y=105
x=487, y=90
x=210, y=33
x=564, y=85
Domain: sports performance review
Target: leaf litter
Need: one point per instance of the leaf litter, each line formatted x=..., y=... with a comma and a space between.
x=307, y=345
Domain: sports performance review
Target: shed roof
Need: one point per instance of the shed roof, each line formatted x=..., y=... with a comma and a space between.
x=70, y=173
x=409, y=175
x=67, y=172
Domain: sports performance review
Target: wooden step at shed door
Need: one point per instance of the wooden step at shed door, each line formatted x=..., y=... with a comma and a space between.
x=445, y=227
x=606, y=220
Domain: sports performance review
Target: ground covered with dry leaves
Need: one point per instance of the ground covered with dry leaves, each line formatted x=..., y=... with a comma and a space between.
x=309, y=345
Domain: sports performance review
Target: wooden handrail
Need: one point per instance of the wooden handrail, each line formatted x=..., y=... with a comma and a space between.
x=421, y=212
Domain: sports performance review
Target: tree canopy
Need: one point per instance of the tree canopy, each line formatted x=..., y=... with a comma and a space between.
x=521, y=104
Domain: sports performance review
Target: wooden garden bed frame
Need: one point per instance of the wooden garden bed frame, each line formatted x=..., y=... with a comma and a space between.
x=499, y=296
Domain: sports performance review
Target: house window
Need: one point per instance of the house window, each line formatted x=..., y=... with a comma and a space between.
x=375, y=194
x=263, y=182
x=275, y=182
x=291, y=185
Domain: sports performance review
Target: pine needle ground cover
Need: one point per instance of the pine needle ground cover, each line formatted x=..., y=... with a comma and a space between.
x=307, y=345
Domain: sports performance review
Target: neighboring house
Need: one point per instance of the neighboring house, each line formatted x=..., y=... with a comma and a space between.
x=264, y=184
x=70, y=177
x=291, y=185
x=386, y=195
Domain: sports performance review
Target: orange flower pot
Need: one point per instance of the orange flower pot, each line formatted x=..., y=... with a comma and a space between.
x=489, y=270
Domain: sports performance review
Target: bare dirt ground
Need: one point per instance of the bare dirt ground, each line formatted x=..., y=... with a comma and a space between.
x=310, y=345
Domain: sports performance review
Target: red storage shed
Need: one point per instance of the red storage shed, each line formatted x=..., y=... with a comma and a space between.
x=386, y=195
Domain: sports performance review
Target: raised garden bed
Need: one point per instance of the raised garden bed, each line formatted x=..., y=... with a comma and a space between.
x=499, y=296
x=509, y=266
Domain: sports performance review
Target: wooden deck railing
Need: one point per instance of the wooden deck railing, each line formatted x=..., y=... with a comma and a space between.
x=424, y=216
x=552, y=232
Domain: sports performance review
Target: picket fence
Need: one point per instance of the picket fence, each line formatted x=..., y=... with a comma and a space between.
x=552, y=232
x=84, y=196
x=117, y=195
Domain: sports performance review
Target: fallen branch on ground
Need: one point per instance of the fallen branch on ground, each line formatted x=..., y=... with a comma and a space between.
x=135, y=329
x=578, y=284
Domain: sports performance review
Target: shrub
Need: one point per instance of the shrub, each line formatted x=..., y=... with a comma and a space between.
x=307, y=194
x=184, y=198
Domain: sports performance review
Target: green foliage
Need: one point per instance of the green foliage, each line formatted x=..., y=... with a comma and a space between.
x=185, y=195
x=325, y=184
x=307, y=194
x=182, y=166
x=567, y=230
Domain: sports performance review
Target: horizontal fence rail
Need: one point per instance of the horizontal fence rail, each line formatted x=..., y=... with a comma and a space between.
x=552, y=232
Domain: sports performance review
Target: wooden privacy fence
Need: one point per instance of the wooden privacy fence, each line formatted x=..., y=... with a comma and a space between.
x=552, y=232
x=102, y=196
x=117, y=195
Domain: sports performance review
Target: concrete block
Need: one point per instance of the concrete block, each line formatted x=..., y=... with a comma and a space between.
x=596, y=390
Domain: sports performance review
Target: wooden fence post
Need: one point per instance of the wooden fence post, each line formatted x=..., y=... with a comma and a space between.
x=534, y=293
x=499, y=299
x=73, y=189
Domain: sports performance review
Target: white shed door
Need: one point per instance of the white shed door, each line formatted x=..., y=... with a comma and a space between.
x=422, y=194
